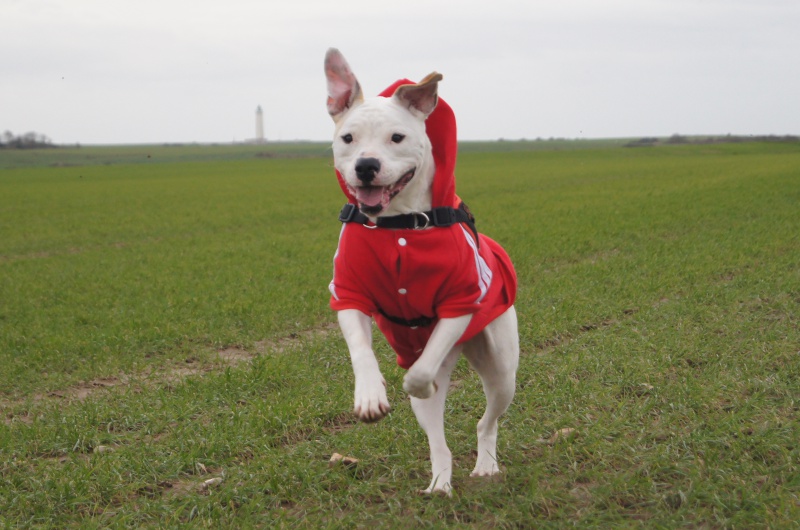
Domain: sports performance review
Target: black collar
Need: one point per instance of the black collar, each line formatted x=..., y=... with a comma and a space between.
x=442, y=216
x=435, y=217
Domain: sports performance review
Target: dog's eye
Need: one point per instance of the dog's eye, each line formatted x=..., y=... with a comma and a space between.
x=397, y=138
x=347, y=138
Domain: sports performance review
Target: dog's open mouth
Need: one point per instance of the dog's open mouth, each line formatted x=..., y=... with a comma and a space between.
x=373, y=199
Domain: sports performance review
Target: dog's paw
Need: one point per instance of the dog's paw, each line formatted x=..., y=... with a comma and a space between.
x=371, y=403
x=419, y=388
x=444, y=489
x=486, y=468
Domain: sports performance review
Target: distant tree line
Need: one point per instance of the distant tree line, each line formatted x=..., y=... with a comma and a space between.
x=29, y=140
x=677, y=139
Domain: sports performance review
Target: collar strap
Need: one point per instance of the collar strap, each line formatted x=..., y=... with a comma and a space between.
x=438, y=217
x=422, y=321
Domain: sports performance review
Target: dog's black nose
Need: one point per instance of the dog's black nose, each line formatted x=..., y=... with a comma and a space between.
x=366, y=168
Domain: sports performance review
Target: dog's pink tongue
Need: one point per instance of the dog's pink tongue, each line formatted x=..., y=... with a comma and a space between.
x=369, y=195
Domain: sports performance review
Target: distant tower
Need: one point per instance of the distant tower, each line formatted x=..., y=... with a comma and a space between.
x=259, y=125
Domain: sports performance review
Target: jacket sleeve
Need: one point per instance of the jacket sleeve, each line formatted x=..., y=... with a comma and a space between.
x=347, y=291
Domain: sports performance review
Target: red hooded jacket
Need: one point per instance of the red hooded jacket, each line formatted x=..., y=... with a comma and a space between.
x=412, y=274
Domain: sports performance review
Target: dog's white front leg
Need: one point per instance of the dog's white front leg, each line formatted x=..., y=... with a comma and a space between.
x=371, y=403
x=420, y=379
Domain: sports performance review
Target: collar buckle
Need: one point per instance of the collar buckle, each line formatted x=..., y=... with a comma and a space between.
x=348, y=213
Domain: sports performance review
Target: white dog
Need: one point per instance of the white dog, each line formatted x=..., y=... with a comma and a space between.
x=409, y=257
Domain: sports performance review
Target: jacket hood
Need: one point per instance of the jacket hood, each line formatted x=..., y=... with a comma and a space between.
x=441, y=129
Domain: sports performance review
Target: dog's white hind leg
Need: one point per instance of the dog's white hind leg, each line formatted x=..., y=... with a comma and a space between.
x=494, y=354
x=430, y=415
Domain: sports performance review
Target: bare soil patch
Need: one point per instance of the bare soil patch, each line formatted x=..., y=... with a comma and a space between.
x=227, y=357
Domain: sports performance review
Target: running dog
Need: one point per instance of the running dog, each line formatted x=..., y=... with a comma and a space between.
x=410, y=258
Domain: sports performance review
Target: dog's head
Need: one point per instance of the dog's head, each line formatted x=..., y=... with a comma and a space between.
x=380, y=146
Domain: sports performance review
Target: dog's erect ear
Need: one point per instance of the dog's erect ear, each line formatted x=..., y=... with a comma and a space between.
x=343, y=88
x=421, y=97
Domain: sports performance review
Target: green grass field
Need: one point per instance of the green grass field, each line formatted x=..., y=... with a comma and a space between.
x=164, y=322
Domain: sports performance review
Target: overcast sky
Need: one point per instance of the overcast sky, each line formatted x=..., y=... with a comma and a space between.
x=152, y=71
